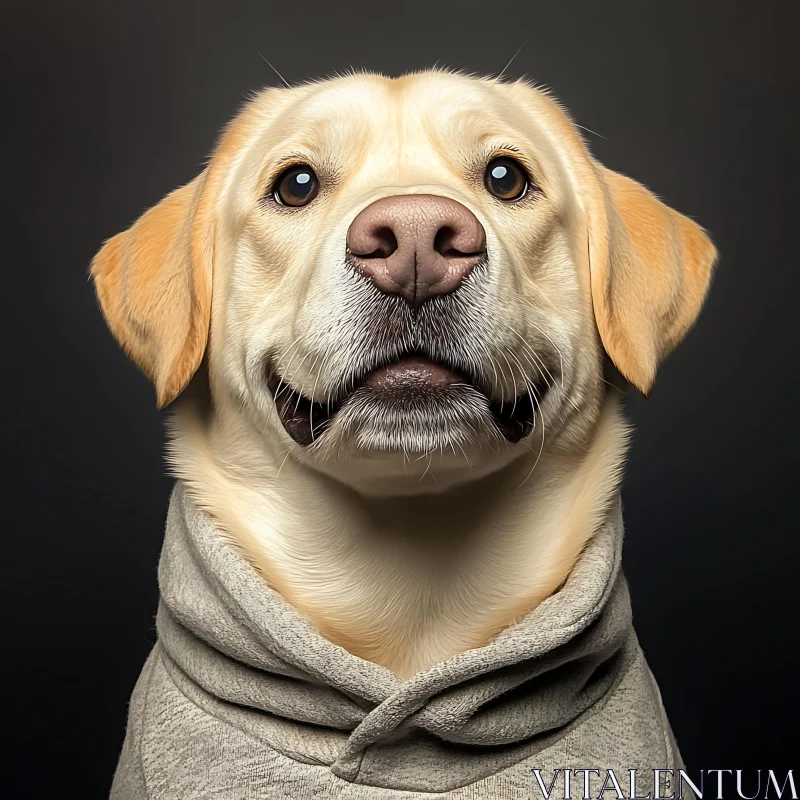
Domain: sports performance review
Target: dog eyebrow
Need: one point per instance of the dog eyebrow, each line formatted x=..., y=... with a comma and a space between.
x=273, y=169
x=506, y=146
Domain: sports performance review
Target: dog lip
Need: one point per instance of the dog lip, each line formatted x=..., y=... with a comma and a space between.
x=412, y=371
x=303, y=419
x=410, y=376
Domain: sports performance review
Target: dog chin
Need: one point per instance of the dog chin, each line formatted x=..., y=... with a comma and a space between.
x=454, y=419
x=427, y=449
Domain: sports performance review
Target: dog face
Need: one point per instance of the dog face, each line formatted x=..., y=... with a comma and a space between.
x=399, y=277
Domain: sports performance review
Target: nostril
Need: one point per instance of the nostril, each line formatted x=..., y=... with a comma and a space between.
x=451, y=242
x=380, y=242
x=443, y=243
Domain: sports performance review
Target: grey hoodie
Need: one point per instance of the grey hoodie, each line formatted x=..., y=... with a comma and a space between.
x=242, y=698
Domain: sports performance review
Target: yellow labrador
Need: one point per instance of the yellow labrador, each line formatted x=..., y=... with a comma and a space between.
x=396, y=297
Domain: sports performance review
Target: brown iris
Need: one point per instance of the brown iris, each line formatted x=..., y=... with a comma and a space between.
x=296, y=186
x=506, y=179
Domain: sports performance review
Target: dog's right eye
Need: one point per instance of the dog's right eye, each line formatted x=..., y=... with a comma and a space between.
x=506, y=179
x=296, y=186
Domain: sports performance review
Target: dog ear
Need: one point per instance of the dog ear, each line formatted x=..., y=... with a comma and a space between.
x=154, y=286
x=650, y=270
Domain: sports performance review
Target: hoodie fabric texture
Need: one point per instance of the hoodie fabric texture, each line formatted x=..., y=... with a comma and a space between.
x=241, y=698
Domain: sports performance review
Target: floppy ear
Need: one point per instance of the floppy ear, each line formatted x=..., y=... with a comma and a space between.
x=154, y=285
x=650, y=270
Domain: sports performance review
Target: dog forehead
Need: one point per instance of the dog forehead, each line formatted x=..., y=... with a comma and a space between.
x=387, y=99
x=375, y=112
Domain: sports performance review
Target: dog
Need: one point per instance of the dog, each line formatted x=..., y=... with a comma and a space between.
x=395, y=318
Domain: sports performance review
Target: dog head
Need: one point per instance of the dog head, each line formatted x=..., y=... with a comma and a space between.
x=379, y=271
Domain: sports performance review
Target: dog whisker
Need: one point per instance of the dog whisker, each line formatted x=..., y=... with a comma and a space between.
x=288, y=450
x=510, y=61
x=285, y=82
x=511, y=371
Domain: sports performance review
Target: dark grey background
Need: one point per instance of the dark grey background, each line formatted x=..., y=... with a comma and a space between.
x=109, y=105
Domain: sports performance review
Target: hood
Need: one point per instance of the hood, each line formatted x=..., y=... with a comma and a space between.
x=248, y=657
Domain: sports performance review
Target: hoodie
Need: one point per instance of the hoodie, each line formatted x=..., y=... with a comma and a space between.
x=241, y=698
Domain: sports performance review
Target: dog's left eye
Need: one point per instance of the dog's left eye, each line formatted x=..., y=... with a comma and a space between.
x=506, y=179
x=296, y=186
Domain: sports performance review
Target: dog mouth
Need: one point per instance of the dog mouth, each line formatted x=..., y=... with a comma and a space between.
x=412, y=386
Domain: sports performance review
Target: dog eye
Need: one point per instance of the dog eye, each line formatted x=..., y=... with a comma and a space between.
x=297, y=186
x=506, y=179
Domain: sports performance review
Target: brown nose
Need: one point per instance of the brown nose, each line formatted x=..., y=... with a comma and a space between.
x=416, y=245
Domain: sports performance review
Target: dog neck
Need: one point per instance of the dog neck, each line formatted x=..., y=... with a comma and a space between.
x=403, y=582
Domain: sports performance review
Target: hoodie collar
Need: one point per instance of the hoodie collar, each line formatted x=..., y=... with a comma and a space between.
x=222, y=628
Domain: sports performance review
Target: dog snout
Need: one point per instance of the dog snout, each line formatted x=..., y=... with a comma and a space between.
x=416, y=246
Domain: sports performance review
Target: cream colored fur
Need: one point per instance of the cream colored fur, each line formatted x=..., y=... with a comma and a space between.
x=403, y=557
